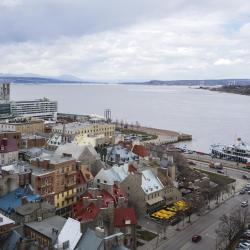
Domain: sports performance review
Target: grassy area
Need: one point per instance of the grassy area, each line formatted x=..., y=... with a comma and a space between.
x=139, y=244
x=219, y=179
x=145, y=136
x=145, y=235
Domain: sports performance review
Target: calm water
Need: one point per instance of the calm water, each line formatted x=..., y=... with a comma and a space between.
x=209, y=116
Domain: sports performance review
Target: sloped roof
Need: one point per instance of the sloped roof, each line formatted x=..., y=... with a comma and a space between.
x=12, y=200
x=115, y=173
x=140, y=150
x=91, y=241
x=46, y=226
x=124, y=216
x=71, y=232
x=150, y=182
x=76, y=150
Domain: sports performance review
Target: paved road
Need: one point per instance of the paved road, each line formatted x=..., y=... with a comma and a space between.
x=205, y=227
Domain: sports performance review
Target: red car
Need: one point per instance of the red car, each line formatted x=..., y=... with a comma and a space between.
x=196, y=238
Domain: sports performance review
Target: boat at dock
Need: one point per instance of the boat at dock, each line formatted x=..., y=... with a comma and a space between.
x=238, y=152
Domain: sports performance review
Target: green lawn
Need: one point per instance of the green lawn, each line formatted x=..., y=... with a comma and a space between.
x=145, y=235
x=219, y=179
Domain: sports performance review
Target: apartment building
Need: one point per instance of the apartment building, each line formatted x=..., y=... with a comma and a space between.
x=8, y=151
x=58, y=182
x=40, y=109
x=79, y=129
x=23, y=126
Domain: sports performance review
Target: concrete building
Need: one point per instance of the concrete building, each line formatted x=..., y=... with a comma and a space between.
x=12, y=135
x=14, y=176
x=4, y=92
x=24, y=126
x=32, y=141
x=82, y=129
x=8, y=151
x=39, y=109
x=33, y=211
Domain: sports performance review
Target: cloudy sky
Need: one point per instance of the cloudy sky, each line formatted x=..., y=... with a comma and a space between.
x=126, y=39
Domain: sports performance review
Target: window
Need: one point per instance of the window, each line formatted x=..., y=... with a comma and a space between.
x=98, y=180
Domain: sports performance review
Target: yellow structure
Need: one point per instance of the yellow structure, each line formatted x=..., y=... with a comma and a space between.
x=65, y=198
x=93, y=140
x=23, y=126
x=81, y=129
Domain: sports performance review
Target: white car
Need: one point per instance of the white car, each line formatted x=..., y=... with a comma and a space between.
x=244, y=203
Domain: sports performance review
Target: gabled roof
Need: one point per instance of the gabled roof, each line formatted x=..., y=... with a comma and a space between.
x=46, y=227
x=71, y=232
x=150, y=182
x=115, y=173
x=124, y=216
x=91, y=241
x=85, y=213
x=76, y=150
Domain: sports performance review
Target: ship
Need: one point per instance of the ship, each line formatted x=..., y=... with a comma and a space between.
x=238, y=152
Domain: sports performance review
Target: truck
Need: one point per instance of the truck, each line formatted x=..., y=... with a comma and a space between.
x=216, y=165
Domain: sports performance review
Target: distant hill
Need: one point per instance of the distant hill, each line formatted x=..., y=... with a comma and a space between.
x=33, y=78
x=194, y=82
x=15, y=79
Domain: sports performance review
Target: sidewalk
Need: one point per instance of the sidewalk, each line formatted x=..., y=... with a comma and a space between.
x=173, y=230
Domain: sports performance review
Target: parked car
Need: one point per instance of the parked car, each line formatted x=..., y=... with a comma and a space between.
x=244, y=203
x=220, y=171
x=245, y=177
x=196, y=238
x=242, y=191
x=241, y=246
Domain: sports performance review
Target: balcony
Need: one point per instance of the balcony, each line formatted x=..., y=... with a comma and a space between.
x=70, y=173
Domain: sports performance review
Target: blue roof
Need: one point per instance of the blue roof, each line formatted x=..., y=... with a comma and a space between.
x=12, y=200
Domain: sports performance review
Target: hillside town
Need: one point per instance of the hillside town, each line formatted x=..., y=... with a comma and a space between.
x=73, y=182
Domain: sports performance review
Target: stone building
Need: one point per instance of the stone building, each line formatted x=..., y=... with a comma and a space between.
x=8, y=151
x=22, y=125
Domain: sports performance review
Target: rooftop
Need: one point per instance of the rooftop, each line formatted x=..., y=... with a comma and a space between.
x=5, y=220
x=12, y=200
x=71, y=232
x=49, y=227
x=150, y=182
x=29, y=208
x=124, y=216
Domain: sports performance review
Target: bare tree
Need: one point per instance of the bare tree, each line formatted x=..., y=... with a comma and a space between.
x=230, y=226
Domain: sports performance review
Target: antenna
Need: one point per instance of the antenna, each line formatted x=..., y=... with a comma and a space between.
x=107, y=115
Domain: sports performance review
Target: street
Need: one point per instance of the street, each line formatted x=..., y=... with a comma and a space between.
x=207, y=224
x=205, y=227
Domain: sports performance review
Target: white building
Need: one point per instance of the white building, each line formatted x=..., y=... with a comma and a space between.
x=41, y=109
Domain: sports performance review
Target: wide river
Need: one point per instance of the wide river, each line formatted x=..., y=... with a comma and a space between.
x=210, y=117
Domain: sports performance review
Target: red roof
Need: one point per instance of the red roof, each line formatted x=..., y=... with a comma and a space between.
x=8, y=145
x=131, y=168
x=140, y=150
x=107, y=197
x=85, y=213
x=124, y=216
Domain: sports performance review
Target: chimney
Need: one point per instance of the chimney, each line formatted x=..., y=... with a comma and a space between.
x=5, y=142
x=46, y=163
x=24, y=200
